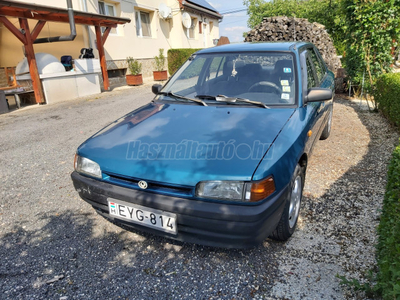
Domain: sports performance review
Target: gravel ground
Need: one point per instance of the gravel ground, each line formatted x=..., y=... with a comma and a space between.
x=54, y=246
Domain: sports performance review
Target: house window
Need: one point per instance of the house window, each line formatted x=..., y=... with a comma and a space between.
x=200, y=27
x=107, y=9
x=191, y=33
x=211, y=28
x=143, y=24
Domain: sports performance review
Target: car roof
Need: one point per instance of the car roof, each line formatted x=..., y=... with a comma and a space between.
x=255, y=46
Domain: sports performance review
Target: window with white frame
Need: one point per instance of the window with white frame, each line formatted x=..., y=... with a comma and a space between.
x=191, y=30
x=143, y=26
x=107, y=9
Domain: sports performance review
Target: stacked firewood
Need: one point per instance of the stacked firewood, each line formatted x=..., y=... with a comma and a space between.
x=294, y=29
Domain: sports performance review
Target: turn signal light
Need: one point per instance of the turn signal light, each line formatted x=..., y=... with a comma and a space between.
x=261, y=190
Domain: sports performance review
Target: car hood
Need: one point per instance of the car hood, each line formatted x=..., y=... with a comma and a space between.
x=184, y=143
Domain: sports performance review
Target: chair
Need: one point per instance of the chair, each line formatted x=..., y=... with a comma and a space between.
x=66, y=60
x=86, y=53
x=283, y=70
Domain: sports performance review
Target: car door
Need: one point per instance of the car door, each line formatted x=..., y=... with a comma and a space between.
x=315, y=110
x=325, y=80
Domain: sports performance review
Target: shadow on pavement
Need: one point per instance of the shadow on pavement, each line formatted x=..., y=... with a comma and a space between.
x=71, y=255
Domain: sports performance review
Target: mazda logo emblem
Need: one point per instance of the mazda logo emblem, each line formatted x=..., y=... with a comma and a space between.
x=142, y=184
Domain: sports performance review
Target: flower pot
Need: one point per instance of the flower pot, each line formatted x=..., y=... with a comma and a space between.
x=160, y=75
x=134, y=79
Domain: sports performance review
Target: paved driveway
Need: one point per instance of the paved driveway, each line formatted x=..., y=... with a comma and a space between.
x=54, y=246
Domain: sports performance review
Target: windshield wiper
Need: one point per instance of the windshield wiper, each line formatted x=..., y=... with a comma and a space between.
x=208, y=97
x=170, y=94
x=223, y=98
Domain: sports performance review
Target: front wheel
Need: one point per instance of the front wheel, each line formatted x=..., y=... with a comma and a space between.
x=288, y=221
x=327, y=130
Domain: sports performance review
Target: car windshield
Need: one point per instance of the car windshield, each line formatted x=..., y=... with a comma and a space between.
x=267, y=78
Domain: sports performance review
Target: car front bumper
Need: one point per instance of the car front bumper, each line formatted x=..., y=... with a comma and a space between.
x=216, y=224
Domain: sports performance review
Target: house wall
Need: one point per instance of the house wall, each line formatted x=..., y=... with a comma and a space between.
x=123, y=41
x=12, y=50
x=165, y=34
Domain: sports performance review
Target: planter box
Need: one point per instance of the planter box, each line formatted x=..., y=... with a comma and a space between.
x=160, y=75
x=134, y=79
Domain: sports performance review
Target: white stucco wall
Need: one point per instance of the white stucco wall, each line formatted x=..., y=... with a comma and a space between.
x=165, y=34
x=121, y=43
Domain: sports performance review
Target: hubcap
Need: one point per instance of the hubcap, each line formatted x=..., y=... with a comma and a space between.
x=330, y=122
x=295, y=199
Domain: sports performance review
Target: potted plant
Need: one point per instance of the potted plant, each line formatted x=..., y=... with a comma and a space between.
x=135, y=69
x=159, y=63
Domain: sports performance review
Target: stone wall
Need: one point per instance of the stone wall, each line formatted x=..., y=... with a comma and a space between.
x=147, y=66
x=295, y=29
x=3, y=78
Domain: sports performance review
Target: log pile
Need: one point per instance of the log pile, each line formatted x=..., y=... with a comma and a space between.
x=294, y=29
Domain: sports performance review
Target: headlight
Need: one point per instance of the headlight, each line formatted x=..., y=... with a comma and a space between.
x=236, y=190
x=87, y=166
x=229, y=190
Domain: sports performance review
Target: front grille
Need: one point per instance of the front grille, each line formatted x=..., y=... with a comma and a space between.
x=152, y=186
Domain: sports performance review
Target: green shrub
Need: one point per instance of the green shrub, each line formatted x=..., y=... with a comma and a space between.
x=159, y=61
x=388, y=248
x=176, y=57
x=135, y=67
x=370, y=33
x=387, y=96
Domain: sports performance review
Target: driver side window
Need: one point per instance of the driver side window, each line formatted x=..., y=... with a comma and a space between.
x=311, y=80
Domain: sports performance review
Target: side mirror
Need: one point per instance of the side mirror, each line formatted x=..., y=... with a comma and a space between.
x=318, y=94
x=156, y=88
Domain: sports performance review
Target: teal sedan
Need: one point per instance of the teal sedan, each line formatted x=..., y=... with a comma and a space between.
x=219, y=156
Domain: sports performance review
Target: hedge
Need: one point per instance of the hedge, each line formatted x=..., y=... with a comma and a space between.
x=388, y=248
x=176, y=57
x=387, y=96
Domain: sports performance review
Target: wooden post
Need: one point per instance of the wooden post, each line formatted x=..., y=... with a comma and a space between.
x=103, y=62
x=30, y=56
x=14, y=30
x=38, y=28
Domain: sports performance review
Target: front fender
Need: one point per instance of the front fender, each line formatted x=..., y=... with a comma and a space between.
x=287, y=149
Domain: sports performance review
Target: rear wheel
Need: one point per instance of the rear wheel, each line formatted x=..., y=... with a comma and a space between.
x=288, y=221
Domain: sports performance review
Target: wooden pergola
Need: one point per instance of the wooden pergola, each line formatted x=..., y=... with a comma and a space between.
x=43, y=14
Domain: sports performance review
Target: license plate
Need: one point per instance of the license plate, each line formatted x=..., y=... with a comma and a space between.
x=145, y=216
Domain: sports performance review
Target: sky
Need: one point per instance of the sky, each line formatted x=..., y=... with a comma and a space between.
x=232, y=25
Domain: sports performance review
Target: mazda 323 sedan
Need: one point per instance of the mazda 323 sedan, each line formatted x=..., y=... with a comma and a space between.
x=219, y=156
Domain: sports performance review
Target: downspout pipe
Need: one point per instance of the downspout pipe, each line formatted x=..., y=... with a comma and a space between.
x=63, y=38
x=85, y=9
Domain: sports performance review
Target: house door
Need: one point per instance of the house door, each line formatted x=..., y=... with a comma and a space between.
x=205, y=34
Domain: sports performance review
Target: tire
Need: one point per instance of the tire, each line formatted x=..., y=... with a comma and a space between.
x=288, y=221
x=327, y=130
